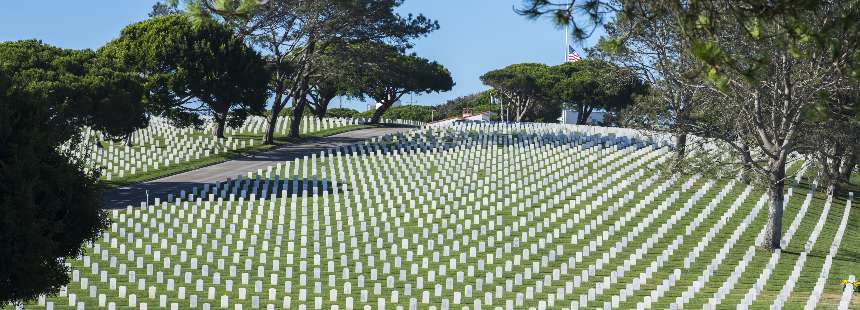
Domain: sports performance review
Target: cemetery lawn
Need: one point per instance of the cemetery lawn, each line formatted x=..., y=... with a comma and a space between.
x=456, y=218
x=228, y=155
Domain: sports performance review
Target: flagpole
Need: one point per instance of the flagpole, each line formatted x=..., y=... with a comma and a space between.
x=566, y=45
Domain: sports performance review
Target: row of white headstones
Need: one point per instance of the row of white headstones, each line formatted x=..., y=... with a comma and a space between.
x=162, y=144
x=559, y=156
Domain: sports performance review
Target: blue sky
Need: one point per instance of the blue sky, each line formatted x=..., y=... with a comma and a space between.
x=475, y=36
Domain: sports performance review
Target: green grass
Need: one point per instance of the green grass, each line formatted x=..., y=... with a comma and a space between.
x=520, y=185
x=228, y=155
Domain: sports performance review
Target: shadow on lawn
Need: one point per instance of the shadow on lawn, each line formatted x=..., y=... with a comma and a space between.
x=120, y=198
x=294, y=148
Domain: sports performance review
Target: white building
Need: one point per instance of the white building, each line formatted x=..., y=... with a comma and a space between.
x=480, y=117
x=467, y=117
x=570, y=117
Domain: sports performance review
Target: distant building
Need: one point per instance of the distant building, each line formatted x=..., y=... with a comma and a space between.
x=570, y=117
x=468, y=116
x=480, y=117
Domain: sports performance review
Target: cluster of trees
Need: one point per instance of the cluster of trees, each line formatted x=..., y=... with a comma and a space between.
x=537, y=92
x=171, y=66
x=477, y=103
x=192, y=68
x=319, y=50
x=48, y=205
x=767, y=79
x=192, y=59
x=420, y=113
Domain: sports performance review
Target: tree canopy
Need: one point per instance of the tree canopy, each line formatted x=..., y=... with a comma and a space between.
x=388, y=75
x=49, y=204
x=83, y=89
x=338, y=73
x=587, y=85
x=193, y=68
x=764, y=79
x=522, y=87
x=293, y=33
x=414, y=112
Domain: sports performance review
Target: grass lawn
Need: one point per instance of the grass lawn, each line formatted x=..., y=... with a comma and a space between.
x=228, y=155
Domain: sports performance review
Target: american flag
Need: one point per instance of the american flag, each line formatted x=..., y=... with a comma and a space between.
x=572, y=55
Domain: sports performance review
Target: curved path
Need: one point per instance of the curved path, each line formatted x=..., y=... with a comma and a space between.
x=133, y=195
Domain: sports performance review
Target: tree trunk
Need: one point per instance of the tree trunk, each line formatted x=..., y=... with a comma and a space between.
x=299, y=101
x=296, y=117
x=128, y=140
x=681, y=134
x=747, y=173
x=220, y=123
x=680, y=149
x=300, y=90
x=322, y=106
x=776, y=185
x=377, y=115
x=269, y=137
x=848, y=167
x=833, y=187
x=277, y=106
x=833, y=166
x=582, y=116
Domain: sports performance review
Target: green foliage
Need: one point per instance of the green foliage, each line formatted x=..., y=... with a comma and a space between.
x=419, y=113
x=583, y=16
x=589, y=84
x=162, y=9
x=185, y=62
x=296, y=35
x=388, y=74
x=526, y=89
x=526, y=80
x=289, y=111
x=48, y=205
x=339, y=71
x=342, y=112
x=478, y=102
x=83, y=89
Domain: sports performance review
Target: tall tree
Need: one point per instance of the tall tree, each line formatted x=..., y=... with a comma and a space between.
x=281, y=28
x=831, y=136
x=388, y=75
x=769, y=62
x=338, y=73
x=193, y=68
x=49, y=204
x=521, y=86
x=774, y=77
x=651, y=43
x=589, y=84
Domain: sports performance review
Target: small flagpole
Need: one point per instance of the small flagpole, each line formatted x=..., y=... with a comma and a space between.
x=566, y=45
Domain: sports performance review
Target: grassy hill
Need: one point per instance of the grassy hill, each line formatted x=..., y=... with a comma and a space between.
x=472, y=216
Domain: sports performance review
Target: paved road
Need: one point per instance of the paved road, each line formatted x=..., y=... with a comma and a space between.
x=133, y=195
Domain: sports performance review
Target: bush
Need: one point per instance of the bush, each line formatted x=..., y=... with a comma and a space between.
x=288, y=111
x=48, y=205
x=419, y=113
x=343, y=113
x=478, y=102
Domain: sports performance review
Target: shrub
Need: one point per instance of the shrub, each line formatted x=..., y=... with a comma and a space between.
x=419, y=113
x=342, y=112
